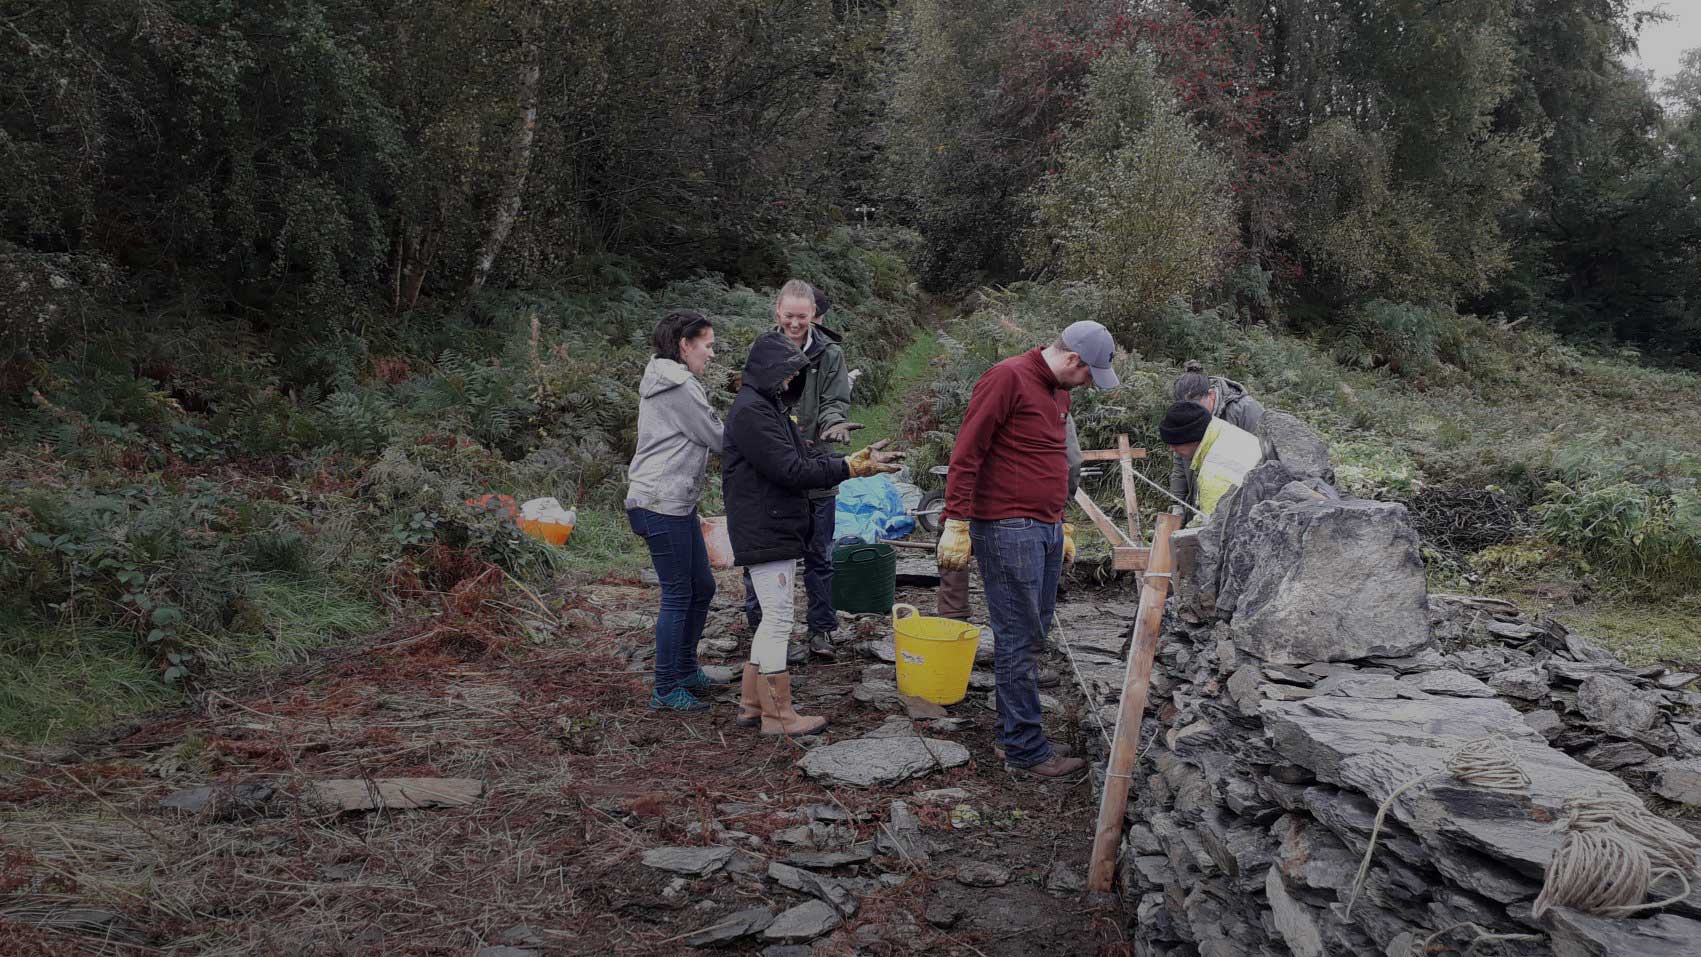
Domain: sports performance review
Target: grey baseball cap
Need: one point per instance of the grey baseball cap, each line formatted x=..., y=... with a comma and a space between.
x=1093, y=344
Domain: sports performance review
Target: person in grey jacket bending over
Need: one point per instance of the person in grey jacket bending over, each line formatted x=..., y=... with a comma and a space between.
x=1225, y=399
x=676, y=432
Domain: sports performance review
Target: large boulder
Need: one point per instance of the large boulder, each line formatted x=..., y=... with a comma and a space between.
x=1291, y=442
x=1201, y=553
x=1322, y=579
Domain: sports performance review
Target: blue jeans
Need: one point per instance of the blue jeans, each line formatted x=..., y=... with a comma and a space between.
x=687, y=584
x=817, y=571
x=1020, y=561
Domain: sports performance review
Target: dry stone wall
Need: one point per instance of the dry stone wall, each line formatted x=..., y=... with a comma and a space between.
x=1304, y=677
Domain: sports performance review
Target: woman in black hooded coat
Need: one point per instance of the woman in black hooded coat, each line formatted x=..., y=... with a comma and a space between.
x=767, y=470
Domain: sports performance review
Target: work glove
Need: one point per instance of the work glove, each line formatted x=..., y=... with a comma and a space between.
x=839, y=434
x=873, y=459
x=1068, y=543
x=953, y=549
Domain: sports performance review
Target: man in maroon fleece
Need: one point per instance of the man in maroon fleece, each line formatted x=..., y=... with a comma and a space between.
x=1004, y=493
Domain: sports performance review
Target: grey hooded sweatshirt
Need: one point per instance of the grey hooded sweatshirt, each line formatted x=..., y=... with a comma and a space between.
x=676, y=432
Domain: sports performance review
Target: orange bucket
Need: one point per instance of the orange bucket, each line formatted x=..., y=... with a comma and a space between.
x=717, y=542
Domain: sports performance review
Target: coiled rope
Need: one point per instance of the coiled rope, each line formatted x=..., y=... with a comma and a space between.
x=1615, y=850
x=1487, y=762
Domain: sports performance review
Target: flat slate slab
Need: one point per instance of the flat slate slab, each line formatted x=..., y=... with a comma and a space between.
x=751, y=920
x=877, y=762
x=690, y=861
x=1374, y=746
x=804, y=922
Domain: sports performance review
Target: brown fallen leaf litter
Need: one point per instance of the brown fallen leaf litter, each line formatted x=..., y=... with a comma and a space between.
x=538, y=704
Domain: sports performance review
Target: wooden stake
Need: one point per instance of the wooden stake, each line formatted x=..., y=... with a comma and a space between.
x=1136, y=683
x=1130, y=501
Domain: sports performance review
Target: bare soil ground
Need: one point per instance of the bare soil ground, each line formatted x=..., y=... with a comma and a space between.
x=580, y=779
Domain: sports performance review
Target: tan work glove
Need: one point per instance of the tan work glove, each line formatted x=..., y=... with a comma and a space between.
x=839, y=434
x=953, y=550
x=873, y=459
x=1068, y=543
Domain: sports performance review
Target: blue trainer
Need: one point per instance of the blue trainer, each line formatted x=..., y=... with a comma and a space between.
x=702, y=680
x=677, y=700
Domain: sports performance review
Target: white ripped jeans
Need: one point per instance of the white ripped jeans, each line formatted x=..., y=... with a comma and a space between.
x=773, y=584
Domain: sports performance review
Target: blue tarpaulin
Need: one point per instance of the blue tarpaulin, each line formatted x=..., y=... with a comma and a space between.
x=871, y=508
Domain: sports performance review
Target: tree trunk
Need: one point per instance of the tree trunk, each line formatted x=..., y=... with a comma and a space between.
x=513, y=189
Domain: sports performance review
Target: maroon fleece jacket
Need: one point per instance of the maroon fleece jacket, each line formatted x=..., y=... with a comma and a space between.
x=1009, y=460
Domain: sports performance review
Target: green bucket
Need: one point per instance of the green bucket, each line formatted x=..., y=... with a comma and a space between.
x=865, y=578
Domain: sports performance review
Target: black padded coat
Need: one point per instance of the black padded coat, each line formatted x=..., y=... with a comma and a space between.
x=767, y=469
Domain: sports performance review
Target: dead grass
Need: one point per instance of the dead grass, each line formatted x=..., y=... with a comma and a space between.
x=581, y=779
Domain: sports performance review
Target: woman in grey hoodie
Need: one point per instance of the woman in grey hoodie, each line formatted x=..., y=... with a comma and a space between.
x=676, y=432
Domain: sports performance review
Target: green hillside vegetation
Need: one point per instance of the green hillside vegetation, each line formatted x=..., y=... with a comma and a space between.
x=283, y=285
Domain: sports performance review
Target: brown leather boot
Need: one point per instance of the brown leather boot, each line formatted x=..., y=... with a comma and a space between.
x=778, y=716
x=749, y=698
x=1058, y=748
x=1055, y=766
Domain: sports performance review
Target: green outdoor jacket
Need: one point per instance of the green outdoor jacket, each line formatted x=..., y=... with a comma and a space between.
x=826, y=390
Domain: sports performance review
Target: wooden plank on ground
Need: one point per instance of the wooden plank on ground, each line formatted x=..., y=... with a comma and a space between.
x=395, y=794
x=1136, y=684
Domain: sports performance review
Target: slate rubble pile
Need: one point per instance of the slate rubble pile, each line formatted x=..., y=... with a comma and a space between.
x=1305, y=676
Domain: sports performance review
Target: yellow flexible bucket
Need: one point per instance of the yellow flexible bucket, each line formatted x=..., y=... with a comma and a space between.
x=935, y=655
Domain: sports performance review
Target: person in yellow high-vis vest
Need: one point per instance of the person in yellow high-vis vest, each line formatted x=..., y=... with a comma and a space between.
x=1219, y=453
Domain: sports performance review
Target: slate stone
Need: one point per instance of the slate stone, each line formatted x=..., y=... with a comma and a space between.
x=881, y=649
x=787, y=950
x=922, y=709
x=690, y=861
x=1375, y=746
x=942, y=913
x=982, y=680
x=1366, y=686
x=1296, y=446
x=1292, y=676
x=1513, y=630
x=804, y=922
x=1614, y=755
x=1529, y=684
x=1294, y=921
x=1545, y=723
x=504, y=951
x=1617, y=705
x=1301, y=593
x=1576, y=934
x=821, y=888
x=901, y=834
x=189, y=800
x=856, y=854
x=1679, y=780
x=1427, y=659
x=982, y=874
x=1579, y=671
x=522, y=935
x=751, y=920
x=1450, y=682
x=1063, y=880
x=895, y=726
x=1243, y=689
x=881, y=762
x=1676, y=680
x=950, y=725
x=1155, y=869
